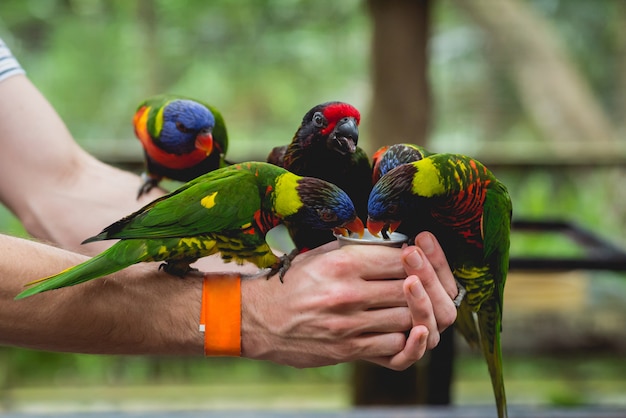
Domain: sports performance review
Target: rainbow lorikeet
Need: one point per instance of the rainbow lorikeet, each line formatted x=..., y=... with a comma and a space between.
x=389, y=157
x=469, y=211
x=325, y=146
x=182, y=139
x=228, y=210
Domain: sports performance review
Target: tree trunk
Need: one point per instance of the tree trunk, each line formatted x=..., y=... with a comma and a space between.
x=400, y=110
x=620, y=35
x=554, y=94
x=401, y=113
x=148, y=24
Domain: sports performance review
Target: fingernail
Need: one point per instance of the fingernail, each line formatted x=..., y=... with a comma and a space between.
x=416, y=289
x=425, y=242
x=413, y=260
x=423, y=338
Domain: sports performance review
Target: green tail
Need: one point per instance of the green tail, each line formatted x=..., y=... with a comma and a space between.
x=489, y=324
x=119, y=256
x=466, y=325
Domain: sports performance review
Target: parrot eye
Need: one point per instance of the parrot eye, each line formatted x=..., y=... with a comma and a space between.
x=319, y=119
x=392, y=209
x=327, y=215
x=181, y=127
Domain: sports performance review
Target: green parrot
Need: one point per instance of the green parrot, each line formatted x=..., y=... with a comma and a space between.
x=182, y=139
x=228, y=210
x=469, y=211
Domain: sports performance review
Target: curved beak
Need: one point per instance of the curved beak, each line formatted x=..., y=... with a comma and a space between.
x=204, y=141
x=345, y=136
x=355, y=226
x=376, y=226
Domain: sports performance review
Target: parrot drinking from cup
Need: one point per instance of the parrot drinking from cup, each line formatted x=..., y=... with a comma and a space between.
x=469, y=211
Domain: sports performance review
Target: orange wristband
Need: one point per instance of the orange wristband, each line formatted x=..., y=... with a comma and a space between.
x=220, y=315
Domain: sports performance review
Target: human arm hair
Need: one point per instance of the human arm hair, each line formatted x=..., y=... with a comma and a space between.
x=138, y=310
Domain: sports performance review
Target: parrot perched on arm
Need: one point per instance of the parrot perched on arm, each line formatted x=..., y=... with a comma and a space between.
x=325, y=147
x=469, y=211
x=182, y=139
x=229, y=211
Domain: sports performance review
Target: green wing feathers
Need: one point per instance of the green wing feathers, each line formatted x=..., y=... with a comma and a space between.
x=218, y=201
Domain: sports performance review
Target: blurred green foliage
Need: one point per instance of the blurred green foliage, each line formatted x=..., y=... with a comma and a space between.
x=263, y=63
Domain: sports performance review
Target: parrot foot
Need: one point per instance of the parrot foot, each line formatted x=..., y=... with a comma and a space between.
x=283, y=265
x=462, y=292
x=147, y=183
x=177, y=269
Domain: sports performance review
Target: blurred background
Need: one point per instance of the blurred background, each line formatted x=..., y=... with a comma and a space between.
x=536, y=89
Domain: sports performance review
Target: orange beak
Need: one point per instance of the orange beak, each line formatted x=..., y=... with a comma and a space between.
x=355, y=226
x=376, y=226
x=205, y=142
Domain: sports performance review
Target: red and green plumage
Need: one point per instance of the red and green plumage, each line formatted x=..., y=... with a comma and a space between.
x=228, y=210
x=182, y=139
x=469, y=211
x=325, y=146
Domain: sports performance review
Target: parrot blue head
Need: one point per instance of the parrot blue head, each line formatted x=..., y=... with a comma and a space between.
x=325, y=206
x=388, y=158
x=390, y=199
x=187, y=126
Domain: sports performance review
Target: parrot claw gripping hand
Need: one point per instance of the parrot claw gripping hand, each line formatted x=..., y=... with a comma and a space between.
x=227, y=211
x=469, y=211
x=182, y=139
x=325, y=146
x=283, y=265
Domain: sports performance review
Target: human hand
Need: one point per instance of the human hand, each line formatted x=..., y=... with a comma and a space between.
x=335, y=305
x=348, y=304
x=429, y=290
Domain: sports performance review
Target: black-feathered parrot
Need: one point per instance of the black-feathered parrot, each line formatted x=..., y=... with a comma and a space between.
x=228, y=210
x=469, y=211
x=325, y=146
x=182, y=139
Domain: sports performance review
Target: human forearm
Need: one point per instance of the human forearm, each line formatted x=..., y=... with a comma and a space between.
x=138, y=310
x=60, y=192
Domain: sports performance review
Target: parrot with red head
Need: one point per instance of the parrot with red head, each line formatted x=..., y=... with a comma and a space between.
x=325, y=146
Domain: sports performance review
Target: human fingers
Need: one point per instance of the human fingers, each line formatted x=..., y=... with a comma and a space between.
x=363, y=277
x=386, y=320
x=416, y=262
x=422, y=310
x=414, y=349
x=437, y=258
x=371, y=262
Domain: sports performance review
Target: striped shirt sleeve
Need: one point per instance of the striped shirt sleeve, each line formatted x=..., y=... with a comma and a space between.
x=8, y=64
